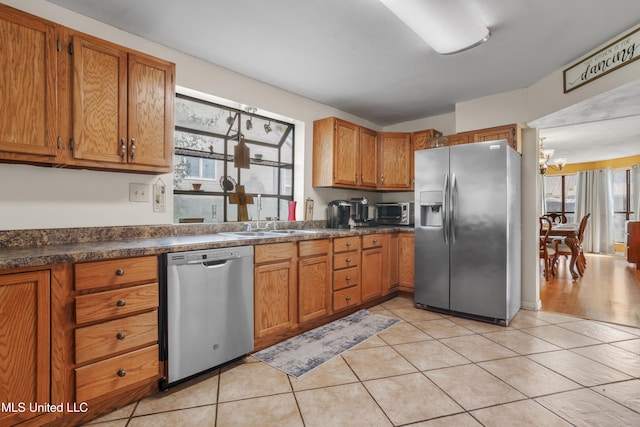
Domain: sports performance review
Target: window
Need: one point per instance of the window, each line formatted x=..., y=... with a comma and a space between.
x=206, y=135
x=621, y=202
x=560, y=195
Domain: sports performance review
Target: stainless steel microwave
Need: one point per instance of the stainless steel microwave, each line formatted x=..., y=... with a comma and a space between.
x=401, y=213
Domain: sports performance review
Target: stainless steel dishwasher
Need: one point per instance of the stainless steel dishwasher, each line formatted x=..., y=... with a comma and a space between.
x=209, y=309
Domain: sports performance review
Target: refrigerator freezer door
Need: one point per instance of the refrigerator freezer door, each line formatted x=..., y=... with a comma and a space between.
x=431, y=228
x=479, y=221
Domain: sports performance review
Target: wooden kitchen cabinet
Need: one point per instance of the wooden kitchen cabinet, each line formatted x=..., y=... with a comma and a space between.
x=406, y=261
x=344, y=155
x=275, y=291
x=512, y=133
x=459, y=138
x=372, y=266
x=123, y=104
x=346, y=272
x=314, y=279
x=116, y=318
x=390, y=261
x=424, y=139
x=28, y=123
x=25, y=348
x=395, y=160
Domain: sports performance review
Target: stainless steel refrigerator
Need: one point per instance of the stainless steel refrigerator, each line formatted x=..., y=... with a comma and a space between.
x=467, y=230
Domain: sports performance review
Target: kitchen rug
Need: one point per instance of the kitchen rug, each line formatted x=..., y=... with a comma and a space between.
x=302, y=353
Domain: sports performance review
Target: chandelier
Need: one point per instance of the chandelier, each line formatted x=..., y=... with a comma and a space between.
x=545, y=156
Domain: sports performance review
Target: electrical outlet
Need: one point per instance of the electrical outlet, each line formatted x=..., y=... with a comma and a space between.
x=139, y=192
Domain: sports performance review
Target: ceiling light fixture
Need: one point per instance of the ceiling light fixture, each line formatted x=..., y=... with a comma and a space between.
x=249, y=123
x=267, y=127
x=447, y=26
x=545, y=156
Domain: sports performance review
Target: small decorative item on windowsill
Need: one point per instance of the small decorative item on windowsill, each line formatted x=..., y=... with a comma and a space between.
x=308, y=209
x=292, y=210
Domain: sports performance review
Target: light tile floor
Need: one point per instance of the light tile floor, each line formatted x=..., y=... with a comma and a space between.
x=430, y=370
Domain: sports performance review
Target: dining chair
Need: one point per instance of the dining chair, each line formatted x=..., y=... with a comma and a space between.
x=547, y=250
x=564, y=250
x=557, y=218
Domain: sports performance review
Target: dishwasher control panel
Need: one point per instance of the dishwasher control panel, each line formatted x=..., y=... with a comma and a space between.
x=191, y=257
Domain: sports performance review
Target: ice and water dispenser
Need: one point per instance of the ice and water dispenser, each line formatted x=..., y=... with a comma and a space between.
x=431, y=209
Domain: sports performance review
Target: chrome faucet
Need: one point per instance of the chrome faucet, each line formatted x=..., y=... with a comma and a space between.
x=259, y=208
x=272, y=220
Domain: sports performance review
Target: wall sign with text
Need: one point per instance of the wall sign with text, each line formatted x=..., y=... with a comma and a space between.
x=617, y=54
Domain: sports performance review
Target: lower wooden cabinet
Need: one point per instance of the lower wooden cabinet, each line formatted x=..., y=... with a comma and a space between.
x=372, y=266
x=633, y=242
x=116, y=334
x=275, y=289
x=346, y=272
x=314, y=280
x=406, y=261
x=25, y=351
x=390, y=260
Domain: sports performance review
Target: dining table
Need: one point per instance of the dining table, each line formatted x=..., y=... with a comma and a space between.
x=569, y=233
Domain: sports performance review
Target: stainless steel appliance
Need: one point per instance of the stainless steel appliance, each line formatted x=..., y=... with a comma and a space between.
x=209, y=309
x=360, y=213
x=401, y=213
x=338, y=214
x=467, y=230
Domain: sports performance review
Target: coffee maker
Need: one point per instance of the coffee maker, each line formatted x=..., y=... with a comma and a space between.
x=338, y=214
x=360, y=211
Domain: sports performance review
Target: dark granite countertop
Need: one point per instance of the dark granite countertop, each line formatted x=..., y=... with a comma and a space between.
x=31, y=248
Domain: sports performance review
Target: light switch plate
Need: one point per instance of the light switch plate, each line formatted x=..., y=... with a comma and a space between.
x=139, y=192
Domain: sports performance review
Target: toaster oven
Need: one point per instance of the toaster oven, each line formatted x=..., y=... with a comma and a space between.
x=400, y=213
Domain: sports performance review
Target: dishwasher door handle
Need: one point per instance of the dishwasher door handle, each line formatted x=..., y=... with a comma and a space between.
x=214, y=264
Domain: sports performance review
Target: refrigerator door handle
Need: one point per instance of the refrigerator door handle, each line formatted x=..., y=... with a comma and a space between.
x=445, y=209
x=453, y=192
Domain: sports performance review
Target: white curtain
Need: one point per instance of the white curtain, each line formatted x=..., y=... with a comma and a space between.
x=594, y=195
x=542, y=206
x=635, y=192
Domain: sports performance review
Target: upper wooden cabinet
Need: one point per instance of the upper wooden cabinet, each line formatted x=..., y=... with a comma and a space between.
x=395, y=161
x=74, y=100
x=122, y=107
x=28, y=83
x=424, y=139
x=344, y=155
x=512, y=133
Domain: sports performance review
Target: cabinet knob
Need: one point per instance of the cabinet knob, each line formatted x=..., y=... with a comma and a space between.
x=120, y=272
x=348, y=298
x=375, y=240
x=123, y=149
x=348, y=243
x=347, y=260
x=133, y=148
x=120, y=303
x=121, y=372
x=348, y=278
x=120, y=335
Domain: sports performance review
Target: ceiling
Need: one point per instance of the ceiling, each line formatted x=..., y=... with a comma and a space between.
x=357, y=56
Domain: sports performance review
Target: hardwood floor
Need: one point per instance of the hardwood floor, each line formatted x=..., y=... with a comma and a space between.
x=609, y=291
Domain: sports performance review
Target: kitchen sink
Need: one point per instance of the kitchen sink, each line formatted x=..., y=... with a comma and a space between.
x=249, y=233
x=293, y=232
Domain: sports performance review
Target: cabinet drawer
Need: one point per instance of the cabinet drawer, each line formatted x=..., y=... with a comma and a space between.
x=371, y=241
x=345, y=278
x=113, y=374
x=343, y=244
x=346, y=298
x=120, y=302
x=116, y=336
x=313, y=247
x=348, y=259
x=99, y=274
x=274, y=252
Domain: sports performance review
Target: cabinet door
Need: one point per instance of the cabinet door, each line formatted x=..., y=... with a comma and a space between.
x=274, y=298
x=372, y=273
x=509, y=132
x=633, y=242
x=314, y=288
x=390, y=262
x=150, y=108
x=24, y=342
x=395, y=161
x=368, y=158
x=99, y=101
x=458, y=139
x=345, y=153
x=406, y=260
x=28, y=78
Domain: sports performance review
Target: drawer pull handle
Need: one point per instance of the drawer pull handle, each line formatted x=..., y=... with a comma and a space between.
x=375, y=240
x=348, y=243
x=120, y=303
x=120, y=272
x=348, y=298
x=121, y=372
x=348, y=260
x=120, y=335
x=348, y=277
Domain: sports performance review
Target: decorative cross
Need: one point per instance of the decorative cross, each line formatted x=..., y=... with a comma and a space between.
x=241, y=199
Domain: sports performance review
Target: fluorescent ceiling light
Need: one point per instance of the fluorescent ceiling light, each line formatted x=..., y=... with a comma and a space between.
x=448, y=26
